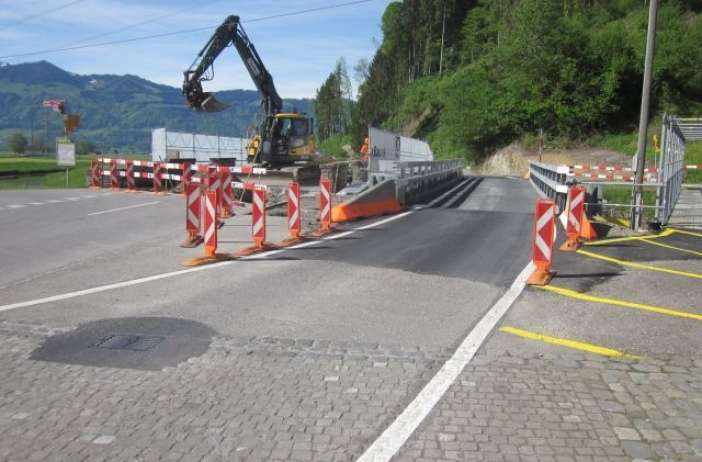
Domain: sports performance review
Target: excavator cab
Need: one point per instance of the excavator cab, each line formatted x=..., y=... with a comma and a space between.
x=283, y=139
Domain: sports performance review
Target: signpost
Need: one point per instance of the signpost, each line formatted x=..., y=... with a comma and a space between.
x=65, y=155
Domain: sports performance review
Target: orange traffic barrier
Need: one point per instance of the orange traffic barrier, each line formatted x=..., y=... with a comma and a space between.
x=378, y=200
x=587, y=231
x=576, y=206
x=226, y=192
x=325, y=207
x=95, y=174
x=210, y=223
x=193, y=212
x=157, y=178
x=187, y=177
x=114, y=175
x=129, y=175
x=258, y=224
x=543, y=237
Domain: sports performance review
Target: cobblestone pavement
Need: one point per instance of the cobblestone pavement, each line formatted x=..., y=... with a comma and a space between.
x=566, y=407
x=245, y=399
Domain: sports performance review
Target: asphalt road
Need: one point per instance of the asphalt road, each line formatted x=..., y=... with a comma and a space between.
x=421, y=281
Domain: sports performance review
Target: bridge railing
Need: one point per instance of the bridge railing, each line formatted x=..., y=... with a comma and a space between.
x=551, y=181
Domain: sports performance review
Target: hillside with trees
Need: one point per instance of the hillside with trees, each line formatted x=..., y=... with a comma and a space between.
x=473, y=75
x=117, y=112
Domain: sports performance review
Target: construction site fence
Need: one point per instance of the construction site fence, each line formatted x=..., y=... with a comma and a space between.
x=675, y=132
x=170, y=171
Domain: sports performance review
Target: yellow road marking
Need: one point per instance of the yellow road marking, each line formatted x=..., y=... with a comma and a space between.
x=640, y=265
x=623, y=303
x=582, y=346
x=665, y=233
x=668, y=246
x=688, y=233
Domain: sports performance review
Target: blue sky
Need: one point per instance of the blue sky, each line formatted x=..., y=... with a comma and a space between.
x=299, y=51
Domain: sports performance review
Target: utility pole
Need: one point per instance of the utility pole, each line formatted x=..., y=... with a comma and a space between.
x=443, y=34
x=637, y=210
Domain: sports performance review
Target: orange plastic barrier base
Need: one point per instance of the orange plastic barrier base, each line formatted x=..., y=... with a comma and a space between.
x=349, y=212
x=207, y=260
x=588, y=231
x=540, y=278
x=571, y=245
x=290, y=241
x=254, y=250
x=191, y=242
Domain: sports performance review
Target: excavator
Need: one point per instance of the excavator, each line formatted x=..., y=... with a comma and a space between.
x=281, y=139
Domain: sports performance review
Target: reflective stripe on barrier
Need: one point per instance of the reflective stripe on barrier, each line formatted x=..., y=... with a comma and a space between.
x=129, y=174
x=294, y=220
x=325, y=205
x=210, y=223
x=156, y=178
x=258, y=215
x=114, y=175
x=193, y=212
x=543, y=238
x=576, y=208
x=227, y=192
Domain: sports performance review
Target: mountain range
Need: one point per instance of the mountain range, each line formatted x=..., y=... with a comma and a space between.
x=117, y=112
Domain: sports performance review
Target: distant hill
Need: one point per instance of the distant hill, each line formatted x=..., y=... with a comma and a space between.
x=118, y=112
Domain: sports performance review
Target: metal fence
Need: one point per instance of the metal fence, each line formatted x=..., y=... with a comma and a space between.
x=417, y=179
x=675, y=133
x=167, y=145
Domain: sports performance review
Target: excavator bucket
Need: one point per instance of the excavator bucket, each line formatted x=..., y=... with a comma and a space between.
x=211, y=104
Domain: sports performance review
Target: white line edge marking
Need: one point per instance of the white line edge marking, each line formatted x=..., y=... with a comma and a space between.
x=123, y=208
x=156, y=277
x=395, y=436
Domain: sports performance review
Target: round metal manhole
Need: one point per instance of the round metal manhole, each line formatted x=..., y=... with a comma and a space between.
x=150, y=343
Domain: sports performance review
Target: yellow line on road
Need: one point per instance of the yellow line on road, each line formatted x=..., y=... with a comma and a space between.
x=639, y=265
x=623, y=303
x=582, y=346
x=668, y=246
x=687, y=233
x=665, y=233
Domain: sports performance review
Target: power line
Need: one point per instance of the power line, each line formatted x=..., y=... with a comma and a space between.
x=132, y=26
x=42, y=13
x=179, y=32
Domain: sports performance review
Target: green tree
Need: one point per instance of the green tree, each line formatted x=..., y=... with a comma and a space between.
x=84, y=147
x=17, y=142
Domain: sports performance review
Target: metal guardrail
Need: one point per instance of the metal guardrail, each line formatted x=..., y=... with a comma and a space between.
x=415, y=179
x=551, y=181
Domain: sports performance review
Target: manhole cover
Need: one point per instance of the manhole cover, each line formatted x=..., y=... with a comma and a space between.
x=129, y=342
x=135, y=343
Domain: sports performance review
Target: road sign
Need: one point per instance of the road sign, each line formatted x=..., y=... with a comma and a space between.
x=65, y=154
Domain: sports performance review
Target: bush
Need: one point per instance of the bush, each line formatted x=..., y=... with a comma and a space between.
x=17, y=143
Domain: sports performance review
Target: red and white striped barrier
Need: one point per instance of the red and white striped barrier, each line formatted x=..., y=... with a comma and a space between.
x=193, y=212
x=129, y=173
x=258, y=215
x=157, y=178
x=210, y=223
x=576, y=209
x=227, y=192
x=325, y=206
x=186, y=177
x=543, y=239
x=114, y=175
x=95, y=176
x=294, y=218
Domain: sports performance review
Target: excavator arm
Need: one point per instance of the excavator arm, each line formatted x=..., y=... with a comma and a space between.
x=230, y=32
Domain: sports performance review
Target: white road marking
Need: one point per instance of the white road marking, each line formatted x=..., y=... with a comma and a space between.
x=71, y=199
x=395, y=436
x=35, y=203
x=123, y=208
x=118, y=285
x=54, y=201
x=15, y=206
x=156, y=277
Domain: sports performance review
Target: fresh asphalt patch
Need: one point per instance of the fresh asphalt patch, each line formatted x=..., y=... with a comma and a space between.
x=639, y=251
x=480, y=246
x=148, y=343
